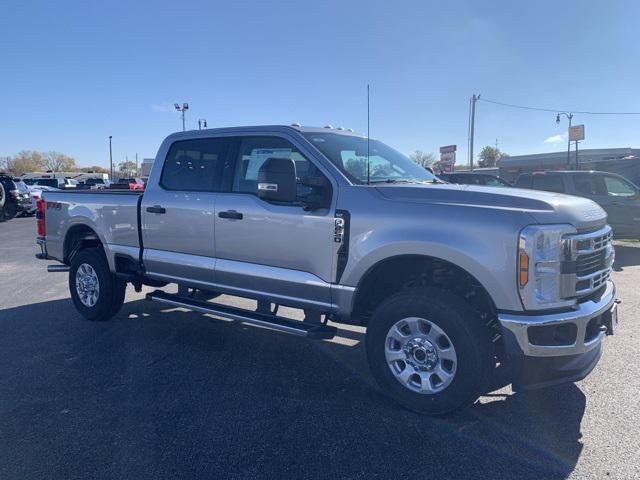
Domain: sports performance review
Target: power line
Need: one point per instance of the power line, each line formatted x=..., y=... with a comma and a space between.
x=524, y=107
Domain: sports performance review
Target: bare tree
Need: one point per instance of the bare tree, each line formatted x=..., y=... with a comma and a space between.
x=422, y=158
x=59, y=162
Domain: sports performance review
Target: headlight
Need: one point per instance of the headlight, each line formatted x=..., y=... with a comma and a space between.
x=540, y=254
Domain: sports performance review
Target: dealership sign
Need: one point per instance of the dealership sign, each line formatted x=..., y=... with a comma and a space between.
x=448, y=158
x=576, y=133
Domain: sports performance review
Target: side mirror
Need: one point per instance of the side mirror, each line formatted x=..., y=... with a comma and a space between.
x=277, y=180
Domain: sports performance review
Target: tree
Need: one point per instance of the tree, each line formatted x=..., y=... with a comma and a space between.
x=423, y=159
x=23, y=162
x=127, y=169
x=59, y=162
x=489, y=156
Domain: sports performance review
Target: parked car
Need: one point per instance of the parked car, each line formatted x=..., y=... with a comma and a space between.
x=619, y=197
x=453, y=296
x=12, y=202
x=95, y=183
x=35, y=191
x=470, y=178
x=27, y=207
x=128, y=184
x=59, y=183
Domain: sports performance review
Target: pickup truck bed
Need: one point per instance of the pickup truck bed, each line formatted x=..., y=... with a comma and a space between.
x=114, y=216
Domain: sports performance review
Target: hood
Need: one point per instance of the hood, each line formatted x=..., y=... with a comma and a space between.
x=544, y=207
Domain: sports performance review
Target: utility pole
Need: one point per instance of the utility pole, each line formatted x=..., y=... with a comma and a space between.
x=136, y=164
x=472, y=119
x=182, y=109
x=110, y=161
x=569, y=117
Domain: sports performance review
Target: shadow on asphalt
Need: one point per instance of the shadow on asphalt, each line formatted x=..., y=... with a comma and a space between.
x=626, y=256
x=159, y=393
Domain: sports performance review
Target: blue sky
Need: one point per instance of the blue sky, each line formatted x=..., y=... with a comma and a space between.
x=75, y=72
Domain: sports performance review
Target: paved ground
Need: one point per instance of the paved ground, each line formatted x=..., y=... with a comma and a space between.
x=159, y=393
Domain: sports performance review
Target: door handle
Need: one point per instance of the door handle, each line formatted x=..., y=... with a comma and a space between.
x=156, y=209
x=230, y=214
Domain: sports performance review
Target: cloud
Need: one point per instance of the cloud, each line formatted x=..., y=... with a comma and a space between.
x=556, y=139
x=163, y=108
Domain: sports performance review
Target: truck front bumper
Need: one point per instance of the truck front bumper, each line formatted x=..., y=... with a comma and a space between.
x=548, y=349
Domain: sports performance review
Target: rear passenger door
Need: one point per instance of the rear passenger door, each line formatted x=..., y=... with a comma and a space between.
x=549, y=183
x=276, y=251
x=178, y=213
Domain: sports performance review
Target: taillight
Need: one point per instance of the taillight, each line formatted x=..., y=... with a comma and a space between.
x=41, y=206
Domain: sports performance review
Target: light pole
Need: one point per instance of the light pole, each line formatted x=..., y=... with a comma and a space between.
x=182, y=109
x=569, y=117
x=472, y=121
x=110, y=161
x=202, y=123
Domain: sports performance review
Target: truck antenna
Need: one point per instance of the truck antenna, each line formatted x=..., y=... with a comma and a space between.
x=368, y=135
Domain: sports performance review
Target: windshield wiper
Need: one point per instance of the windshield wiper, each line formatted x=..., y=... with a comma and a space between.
x=395, y=180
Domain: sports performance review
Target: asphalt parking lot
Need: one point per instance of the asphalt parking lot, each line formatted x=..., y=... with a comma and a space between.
x=164, y=393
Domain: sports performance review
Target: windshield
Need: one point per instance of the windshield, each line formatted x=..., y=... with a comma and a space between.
x=349, y=154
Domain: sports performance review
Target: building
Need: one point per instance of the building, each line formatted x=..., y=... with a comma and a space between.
x=145, y=167
x=623, y=161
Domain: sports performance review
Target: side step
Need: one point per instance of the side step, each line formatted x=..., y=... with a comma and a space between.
x=314, y=331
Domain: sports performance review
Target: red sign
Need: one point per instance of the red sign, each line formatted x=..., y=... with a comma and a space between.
x=448, y=149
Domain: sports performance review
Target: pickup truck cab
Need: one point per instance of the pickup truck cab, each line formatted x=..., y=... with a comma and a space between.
x=461, y=288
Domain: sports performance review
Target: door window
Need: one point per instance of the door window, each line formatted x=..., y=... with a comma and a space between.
x=548, y=183
x=193, y=165
x=617, y=187
x=254, y=151
x=589, y=185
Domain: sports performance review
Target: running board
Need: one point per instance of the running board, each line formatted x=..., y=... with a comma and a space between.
x=309, y=330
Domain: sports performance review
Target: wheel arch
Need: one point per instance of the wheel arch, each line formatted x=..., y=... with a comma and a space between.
x=79, y=237
x=393, y=274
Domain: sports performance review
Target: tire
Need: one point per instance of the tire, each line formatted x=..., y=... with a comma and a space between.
x=100, y=304
x=437, y=321
x=3, y=200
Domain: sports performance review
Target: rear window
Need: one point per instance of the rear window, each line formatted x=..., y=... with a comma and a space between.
x=548, y=183
x=192, y=165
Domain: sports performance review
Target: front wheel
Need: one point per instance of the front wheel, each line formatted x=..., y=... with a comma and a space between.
x=96, y=292
x=428, y=351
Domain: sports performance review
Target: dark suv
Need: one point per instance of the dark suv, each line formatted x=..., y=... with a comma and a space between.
x=619, y=197
x=469, y=178
x=11, y=201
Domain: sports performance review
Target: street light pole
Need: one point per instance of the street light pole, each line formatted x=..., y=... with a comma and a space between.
x=110, y=161
x=569, y=117
x=182, y=109
x=472, y=121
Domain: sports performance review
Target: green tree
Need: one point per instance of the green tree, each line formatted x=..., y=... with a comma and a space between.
x=489, y=156
x=423, y=159
x=127, y=169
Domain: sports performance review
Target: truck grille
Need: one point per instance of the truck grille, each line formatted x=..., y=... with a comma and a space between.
x=588, y=264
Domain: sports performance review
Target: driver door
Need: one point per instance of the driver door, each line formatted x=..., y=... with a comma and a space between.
x=275, y=251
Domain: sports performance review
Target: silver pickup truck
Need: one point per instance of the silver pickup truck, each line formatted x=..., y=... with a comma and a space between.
x=462, y=289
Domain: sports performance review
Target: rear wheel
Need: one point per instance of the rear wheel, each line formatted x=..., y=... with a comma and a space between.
x=3, y=200
x=96, y=292
x=428, y=352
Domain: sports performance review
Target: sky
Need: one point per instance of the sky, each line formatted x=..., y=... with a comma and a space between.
x=74, y=72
